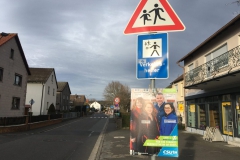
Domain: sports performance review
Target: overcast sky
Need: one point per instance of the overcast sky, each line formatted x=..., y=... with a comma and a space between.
x=84, y=41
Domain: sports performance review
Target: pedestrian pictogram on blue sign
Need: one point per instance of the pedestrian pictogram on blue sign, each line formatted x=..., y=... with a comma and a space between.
x=152, y=56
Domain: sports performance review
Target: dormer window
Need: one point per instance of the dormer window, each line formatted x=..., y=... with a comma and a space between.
x=12, y=53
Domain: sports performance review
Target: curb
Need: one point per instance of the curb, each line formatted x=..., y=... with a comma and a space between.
x=95, y=154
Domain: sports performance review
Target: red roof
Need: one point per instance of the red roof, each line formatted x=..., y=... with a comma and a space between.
x=4, y=39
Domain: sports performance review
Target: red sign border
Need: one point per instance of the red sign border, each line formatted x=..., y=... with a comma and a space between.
x=178, y=26
x=115, y=100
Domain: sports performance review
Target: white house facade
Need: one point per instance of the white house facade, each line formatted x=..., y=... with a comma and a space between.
x=96, y=105
x=42, y=88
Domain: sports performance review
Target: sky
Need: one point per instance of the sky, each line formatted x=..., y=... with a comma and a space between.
x=84, y=40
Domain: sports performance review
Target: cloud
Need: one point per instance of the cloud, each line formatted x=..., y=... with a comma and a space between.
x=84, y=40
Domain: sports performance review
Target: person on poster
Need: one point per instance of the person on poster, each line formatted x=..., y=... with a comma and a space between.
x=159, y=106
x=134, y=125
x=148, y=128
x=169, y=121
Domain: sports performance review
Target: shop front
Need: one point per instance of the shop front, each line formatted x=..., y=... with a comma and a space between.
x=220, y=111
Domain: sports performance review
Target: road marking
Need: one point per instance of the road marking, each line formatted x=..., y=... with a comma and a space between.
x=90, y=134
x=98, y=117
x=96, y=150
x=119, y=137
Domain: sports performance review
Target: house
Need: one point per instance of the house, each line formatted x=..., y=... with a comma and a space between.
x=41, y=88
x=77, y=101
x=211, y=82
x=14, y=72
x=178, y=85
x=63, y=96
x=96, y=105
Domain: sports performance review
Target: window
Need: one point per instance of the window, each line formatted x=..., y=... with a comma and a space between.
x=238, y=112
x=226, y=97
x=216, y=59
x=202, y=118
x=18, y=80
x=15, y=102
x=221, y=50
x=191, y=115
x=212, y=99
x=238, y=39
x=190, y=72
x=190, y=67
x=176, y=86
x=1, y=74
x=239, y=43
x=48, y=90
x=181, y=89
x=12, y=53
x=214, y=115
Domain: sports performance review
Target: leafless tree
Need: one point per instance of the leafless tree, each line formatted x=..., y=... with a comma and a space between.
x=116, y=89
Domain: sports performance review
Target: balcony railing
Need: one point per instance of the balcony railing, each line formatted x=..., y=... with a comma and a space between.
x=225, y=62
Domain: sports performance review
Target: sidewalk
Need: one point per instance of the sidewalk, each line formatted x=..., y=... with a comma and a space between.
x=115, y=145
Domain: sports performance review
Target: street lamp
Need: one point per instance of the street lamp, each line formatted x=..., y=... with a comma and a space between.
x=88, y=96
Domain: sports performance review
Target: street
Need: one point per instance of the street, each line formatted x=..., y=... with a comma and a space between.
x=70, y=140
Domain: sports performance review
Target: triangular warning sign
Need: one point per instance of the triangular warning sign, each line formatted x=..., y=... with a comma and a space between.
x=154, y=16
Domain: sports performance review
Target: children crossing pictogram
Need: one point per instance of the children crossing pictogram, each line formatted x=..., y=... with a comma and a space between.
x=154, y=15
x=145, y=16
x=157, y=13
x=152, y=48
x=155, y=48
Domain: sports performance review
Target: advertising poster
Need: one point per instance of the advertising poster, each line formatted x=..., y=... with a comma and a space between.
x=153, y=122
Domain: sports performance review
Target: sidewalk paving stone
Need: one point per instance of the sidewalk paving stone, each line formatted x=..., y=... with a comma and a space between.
x=191, y=147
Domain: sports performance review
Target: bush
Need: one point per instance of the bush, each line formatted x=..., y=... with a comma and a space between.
x=51, y=109
x=125, y=119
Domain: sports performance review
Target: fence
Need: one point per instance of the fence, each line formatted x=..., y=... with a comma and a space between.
x=33, y=119
x=71, y=115
x=9, y=121
x=5, y=121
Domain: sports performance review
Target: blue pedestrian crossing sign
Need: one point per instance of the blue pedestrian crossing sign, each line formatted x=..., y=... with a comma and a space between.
x=152, y=56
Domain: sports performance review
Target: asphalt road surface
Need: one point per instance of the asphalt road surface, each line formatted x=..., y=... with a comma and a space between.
x=70, y=140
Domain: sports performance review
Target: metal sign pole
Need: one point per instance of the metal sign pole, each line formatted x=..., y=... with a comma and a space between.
x=152, y=86
x=152, y=83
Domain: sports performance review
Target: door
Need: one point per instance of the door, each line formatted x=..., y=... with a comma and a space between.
x=238, y=115
x=238, y=122
x=227, y=118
